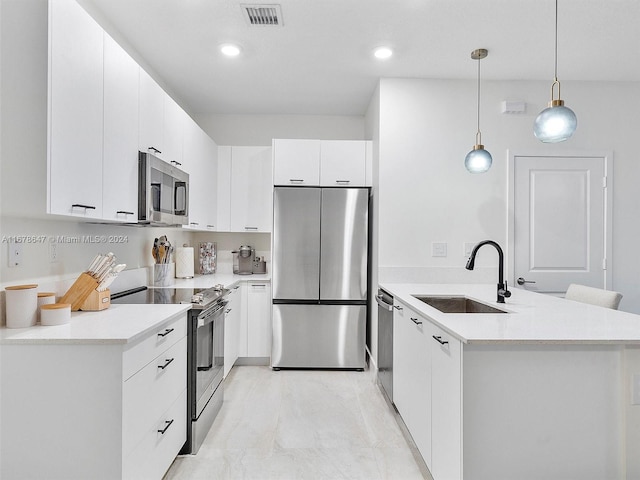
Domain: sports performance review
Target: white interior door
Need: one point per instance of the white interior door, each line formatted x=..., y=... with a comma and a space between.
x=559, y=227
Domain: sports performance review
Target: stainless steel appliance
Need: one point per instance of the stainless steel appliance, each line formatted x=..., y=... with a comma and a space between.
x=385, y=342
x=205, y=352
x=243, y=259
x=320, y=277
x=163, y=192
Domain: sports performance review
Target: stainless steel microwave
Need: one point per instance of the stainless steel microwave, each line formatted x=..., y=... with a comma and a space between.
x=163, y=192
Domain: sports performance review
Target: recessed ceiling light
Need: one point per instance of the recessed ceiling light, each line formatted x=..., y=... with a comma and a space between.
x=230, y=50
x=382, y=53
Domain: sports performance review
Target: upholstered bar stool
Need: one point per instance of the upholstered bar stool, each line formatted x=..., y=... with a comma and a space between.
x=593, y=296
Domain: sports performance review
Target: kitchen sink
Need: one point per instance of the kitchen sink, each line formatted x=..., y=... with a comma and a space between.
x=457, y=305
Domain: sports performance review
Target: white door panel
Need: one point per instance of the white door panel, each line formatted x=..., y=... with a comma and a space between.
x=559, y=226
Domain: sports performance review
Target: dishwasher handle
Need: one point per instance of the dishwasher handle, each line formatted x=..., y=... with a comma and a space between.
x=383, y=304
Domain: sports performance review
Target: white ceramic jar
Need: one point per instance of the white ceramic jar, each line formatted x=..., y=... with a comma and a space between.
x=21, y=306
x=45, y=298
x=55, y=314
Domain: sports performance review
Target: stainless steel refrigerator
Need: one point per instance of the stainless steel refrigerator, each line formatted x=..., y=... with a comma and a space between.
x=320, y=277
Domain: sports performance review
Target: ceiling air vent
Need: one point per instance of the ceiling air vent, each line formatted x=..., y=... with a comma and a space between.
x=264, y=15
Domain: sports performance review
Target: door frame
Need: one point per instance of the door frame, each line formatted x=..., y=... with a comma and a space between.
x=607, y=156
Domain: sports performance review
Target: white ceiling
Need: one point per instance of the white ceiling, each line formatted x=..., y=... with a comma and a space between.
x=320, y=61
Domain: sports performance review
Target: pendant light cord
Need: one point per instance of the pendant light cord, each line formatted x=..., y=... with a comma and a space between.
x=555, y=67
x=478, y=134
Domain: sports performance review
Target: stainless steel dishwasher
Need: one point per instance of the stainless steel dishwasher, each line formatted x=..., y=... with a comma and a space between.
x=385, y=342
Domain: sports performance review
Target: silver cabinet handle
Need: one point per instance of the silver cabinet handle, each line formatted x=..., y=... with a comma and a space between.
x=154, y=149
x=228, y=310
x=398, y=307
x=194, y=223
x=176, y=163
x=343, y=182
x=522, y=281
x=123, y=212
x=296, y=180
x=251, y=228
x=210, y=226
x=166, y=364
x=416, y=321
x=168, y=424
x=438, y=339
x=80, y=205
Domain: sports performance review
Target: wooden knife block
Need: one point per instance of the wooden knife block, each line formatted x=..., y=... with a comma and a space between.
x=79, y=291
x=97, y=301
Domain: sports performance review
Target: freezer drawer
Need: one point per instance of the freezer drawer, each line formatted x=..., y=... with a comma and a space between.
x=318, y=336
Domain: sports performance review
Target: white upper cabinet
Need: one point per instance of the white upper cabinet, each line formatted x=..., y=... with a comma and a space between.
x=251, y=189
x=343, y=163
x=330, y=163
x=202, y=154
x=120, y=155
x=75, y=111
x=296, y=162
x=224, y=190
x=174, y=124
x=151, y=111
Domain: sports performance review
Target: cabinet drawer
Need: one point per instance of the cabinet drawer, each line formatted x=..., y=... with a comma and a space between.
x=149, y=392
x=143, y=352
x=153, y=456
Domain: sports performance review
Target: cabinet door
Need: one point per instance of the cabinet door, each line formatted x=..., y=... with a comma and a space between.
x=174, y=121
x=224, y=190
x=296, y=162
x=258, y=319
x=231, y=338
x=151, y=114
x=75, y=111
x=343, y=163
x=412, y=376
x=120, y=158
x=202, y=153
x=251, y=189
x=446, y=406
x=234, y=308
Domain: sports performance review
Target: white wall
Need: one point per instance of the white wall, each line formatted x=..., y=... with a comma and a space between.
x=425, y=193
x=258, y=130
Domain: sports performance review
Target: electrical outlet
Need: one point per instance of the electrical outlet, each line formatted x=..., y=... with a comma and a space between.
x=438, y=249
x=15, y=254
x=635, y=389
x=53, y=252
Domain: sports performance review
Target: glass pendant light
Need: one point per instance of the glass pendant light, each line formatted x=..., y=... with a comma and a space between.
x=478, y=160
x=555, y=123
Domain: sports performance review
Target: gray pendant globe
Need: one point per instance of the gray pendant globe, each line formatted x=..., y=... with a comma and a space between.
x=478, y=160
x=555, y=123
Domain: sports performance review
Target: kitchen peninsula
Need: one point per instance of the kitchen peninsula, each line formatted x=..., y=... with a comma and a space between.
x=543, y=390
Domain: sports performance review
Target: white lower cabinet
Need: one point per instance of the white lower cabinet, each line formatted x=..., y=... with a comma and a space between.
x=427, y=392
x=446, y=405
x=412, y=375
x=258, y=319
x=99, y=411
x=247, y=324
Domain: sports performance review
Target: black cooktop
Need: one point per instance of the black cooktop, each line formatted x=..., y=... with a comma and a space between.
x=198, y=297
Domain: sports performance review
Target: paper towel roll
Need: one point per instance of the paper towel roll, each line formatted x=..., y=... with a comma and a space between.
x=184, y=262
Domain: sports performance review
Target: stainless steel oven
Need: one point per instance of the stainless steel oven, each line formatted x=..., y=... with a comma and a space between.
x=205, y=372
x=205, y=352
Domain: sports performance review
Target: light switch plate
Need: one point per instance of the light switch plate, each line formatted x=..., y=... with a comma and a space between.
x=438, y=249
x=467, y=247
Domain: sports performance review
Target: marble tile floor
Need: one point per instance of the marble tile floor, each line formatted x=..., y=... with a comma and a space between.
x=302, y=425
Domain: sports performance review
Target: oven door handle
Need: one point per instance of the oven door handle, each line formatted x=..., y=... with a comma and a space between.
x=208, y=317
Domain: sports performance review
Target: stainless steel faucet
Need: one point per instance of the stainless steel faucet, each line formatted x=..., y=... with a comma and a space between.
x=503, y=292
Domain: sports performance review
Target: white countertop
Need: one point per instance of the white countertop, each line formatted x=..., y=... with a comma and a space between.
x=226, y=279
x=116, y=324
x=532, y=317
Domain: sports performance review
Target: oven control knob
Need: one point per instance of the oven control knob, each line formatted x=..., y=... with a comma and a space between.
x=197, y=298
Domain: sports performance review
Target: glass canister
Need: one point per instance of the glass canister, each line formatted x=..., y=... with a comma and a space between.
x=208, y=257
